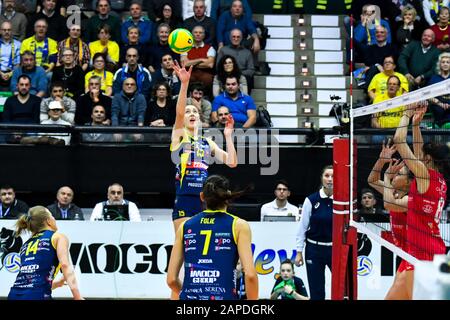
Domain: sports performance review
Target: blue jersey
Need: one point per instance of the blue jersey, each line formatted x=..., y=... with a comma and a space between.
x=192, y=158
x=38, y=265
x=210, y=257
x=321, y=221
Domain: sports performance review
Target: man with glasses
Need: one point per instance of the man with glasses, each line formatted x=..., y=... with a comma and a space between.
x=280, y=206
x=10, y=207
x=9, y=54
x=89, y=100
x=103, y=17
x=389, y=118
x=378, y=85
x=18, y=20
x=70, y=74
x=82, y=54
x=116, y=197
x=132, y=69
x=68, y=105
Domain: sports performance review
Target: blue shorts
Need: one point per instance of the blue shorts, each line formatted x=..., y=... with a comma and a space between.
x=27, y=294
x=186, y=206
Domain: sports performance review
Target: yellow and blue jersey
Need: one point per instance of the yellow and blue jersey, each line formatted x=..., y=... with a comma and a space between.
x=38, y=266
x=192, y=157
x=210, y=257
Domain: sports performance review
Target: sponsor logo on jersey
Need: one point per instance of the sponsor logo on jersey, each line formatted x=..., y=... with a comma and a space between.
x=204, y=276
x=215, y=290
x=204, y=261
x=29, y=269
x=193, y=290
x=222, y=234
x=316, y=205
x=427, y=208
x=197, y=165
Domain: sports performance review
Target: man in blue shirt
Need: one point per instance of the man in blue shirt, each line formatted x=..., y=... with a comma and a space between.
x=9, y=53
x=35, y=73
x=235, y=19
x=136, y=19
x=241, y=106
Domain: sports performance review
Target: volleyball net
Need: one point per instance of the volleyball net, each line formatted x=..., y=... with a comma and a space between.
x=396, y=201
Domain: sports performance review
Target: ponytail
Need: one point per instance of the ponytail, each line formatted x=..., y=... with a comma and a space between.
x=34, y=221
x=22, y=224
x=217, y=193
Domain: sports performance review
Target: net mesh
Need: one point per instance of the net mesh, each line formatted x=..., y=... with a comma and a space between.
x=402, y=204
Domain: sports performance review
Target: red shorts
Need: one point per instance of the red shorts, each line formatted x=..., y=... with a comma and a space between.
x=405, y=266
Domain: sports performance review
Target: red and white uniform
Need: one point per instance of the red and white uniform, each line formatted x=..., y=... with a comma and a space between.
x=422, y=222
x=398, y=228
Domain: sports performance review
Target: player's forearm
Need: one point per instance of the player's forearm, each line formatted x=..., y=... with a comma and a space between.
x=251, y=285
x=69, y=276
x=231, y=157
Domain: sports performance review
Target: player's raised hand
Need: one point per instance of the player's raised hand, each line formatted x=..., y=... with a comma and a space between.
x=181, y=72
x=229, y=126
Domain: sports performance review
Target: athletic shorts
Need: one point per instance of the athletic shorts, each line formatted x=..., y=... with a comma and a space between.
x=405, y=266
x=186, y=206
x=21, y=294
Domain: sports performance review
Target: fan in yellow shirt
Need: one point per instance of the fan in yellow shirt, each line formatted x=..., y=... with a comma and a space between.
x=104, y=45
x=44, y=49
x=99, y=70
x=388, y=118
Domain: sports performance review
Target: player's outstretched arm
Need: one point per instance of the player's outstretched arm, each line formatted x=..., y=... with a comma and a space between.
x=178, y=127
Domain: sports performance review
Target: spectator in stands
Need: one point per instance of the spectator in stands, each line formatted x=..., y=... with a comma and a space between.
x=106, y=46
x=202, y=58
x=418, y=60
x=35, y=73
x=166, y=73
x=98, y=117
x=189, y=6
x=218, y=7
x=55, y=112
x=80, y=48
x=42, y=47
x=63, y=208
x=9, y=54
x=241, y=106
x=227, y=66
x=222, y=117
x=197, y=99
x=87, y=102
x=242, y=55
x=288, y=286
x=235, y=19
x=55, y=22
x=440, y=106
x=23, y=107
x=115, y=197
x=431, y=10
x=133, y=70
x=154, y=8
x=133, y=37
x=389, y=118
x=395, y=8
x=61, y=5
x=374, y=54
x=161, y=108
x=168, y=17
x=103, y=17
x=378, y=85
x=11, y=208
x=408, y=28
x=99, y=62
x=365, y=30
x=128, y=106
x=161, y=48
x=201, y=17
x=137, y=19
x=441, y=30
x=17, y=19
x=70, y=75
x=368, y=202
x=280, y=206
x=68, y=105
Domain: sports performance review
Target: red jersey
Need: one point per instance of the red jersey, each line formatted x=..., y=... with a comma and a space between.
x=398, y=228
x=422, y=221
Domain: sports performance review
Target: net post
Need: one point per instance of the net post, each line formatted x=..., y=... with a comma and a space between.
x=344, y=251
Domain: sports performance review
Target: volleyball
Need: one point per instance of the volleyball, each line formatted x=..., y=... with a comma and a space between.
x=181, y=40
x=365, y=266
x=12, y=262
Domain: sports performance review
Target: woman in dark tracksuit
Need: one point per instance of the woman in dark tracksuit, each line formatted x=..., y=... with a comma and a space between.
x=315, y=230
